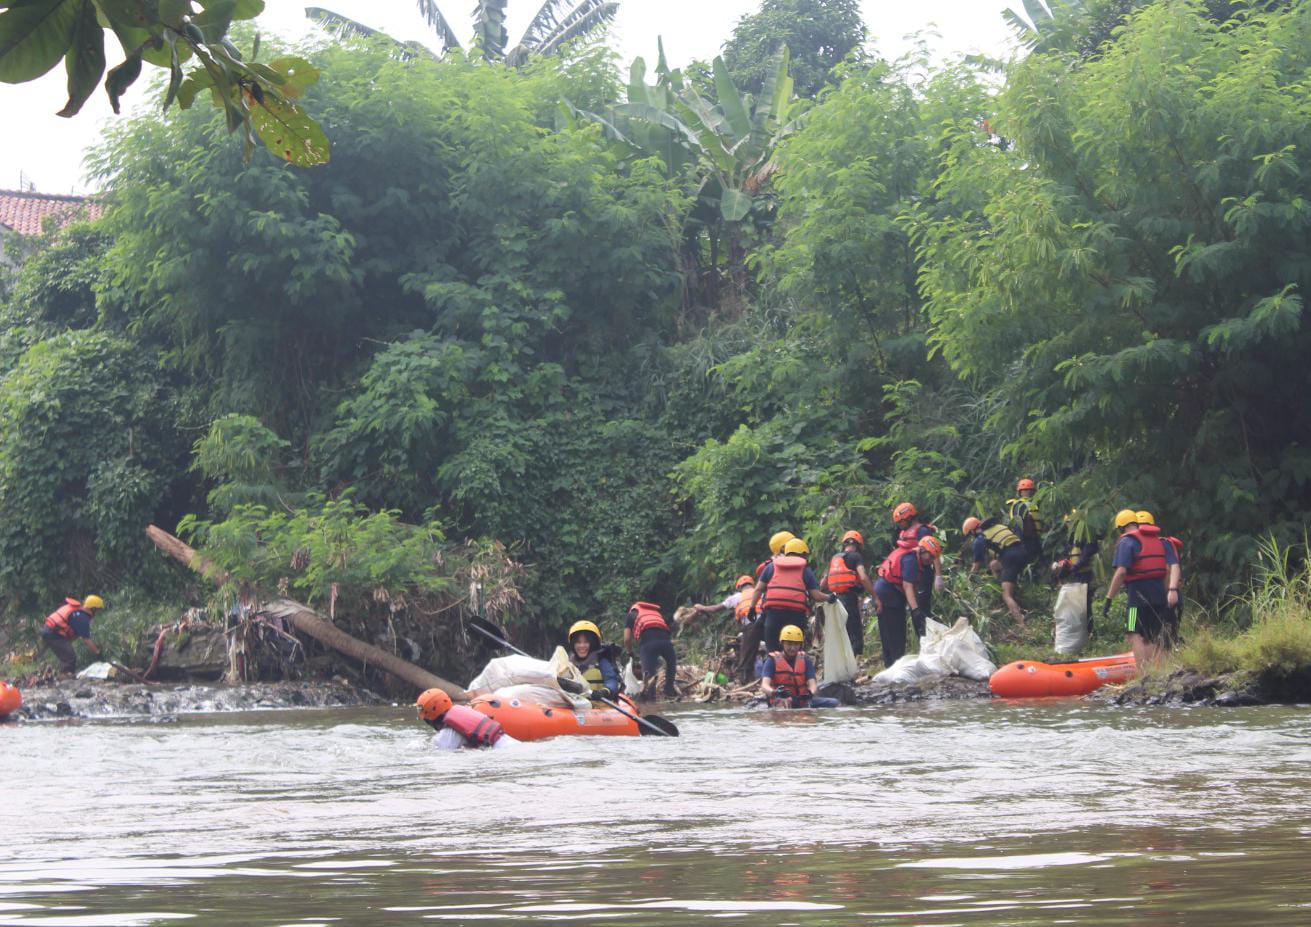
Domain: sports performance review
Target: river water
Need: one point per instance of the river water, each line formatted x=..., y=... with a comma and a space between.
x=948, y=814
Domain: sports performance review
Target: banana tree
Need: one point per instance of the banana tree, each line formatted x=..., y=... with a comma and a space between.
x=557, y=22
x=727, y=145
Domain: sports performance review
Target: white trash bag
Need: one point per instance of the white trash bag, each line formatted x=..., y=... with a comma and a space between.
x=913, y=667
x=507, y=677
x=632, y=685
x=99, y=670
x=964, y=652
x=1071, y=618
x=839, y=659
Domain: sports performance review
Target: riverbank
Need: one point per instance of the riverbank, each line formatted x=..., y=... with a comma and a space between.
x=89, y=699
x=1188, y=687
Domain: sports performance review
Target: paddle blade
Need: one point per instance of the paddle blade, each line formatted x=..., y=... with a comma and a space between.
x=658, y=727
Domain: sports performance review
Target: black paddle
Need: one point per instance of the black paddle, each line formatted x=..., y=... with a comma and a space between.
x=649, y=725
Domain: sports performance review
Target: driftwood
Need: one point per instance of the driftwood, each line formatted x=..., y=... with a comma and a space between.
x=309, y=622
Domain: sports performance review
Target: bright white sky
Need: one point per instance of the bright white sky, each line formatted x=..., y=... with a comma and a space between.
x=48, y=150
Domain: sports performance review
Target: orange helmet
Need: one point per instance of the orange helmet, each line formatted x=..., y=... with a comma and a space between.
x=854, y=536
x=970, y=524
x=903, y=511
x=432, y=704
x=931, y=545
x=744, y=580
x=1024, y=484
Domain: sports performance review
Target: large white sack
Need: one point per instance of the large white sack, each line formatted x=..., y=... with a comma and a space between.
x=963, y=651
x=839, y=659
x=934, y=632
x=537, y=695
x=1071, y=618
x=632, y=685
x=517, y=670
x=913, y=667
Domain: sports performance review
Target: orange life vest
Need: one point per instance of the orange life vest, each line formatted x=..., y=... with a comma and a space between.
x=841, y=578
x=648, y=616
x=1150, y=561
x=787, y=590
x=890, y=568
x=57, y=620
x=743, y=610
x=794, y=676
x=474, y=726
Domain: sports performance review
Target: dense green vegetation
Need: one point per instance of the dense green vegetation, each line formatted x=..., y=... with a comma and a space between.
x=629, y=329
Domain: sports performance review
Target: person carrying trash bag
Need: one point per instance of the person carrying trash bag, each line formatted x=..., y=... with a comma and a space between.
x=1072, y=571
x=789, y=677
x=786, y=588
x=910, y=528
x=595, y=662
x=846, y=578
x=895, y=590
x=459, y=726
x=653, y=634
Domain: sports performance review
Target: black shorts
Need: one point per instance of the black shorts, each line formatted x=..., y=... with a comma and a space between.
x=1013, y=560
x=1156, y=624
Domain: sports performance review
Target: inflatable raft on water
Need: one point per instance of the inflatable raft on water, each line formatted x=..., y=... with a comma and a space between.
x=532, y=721
x=1031, y=679
x=10, y=699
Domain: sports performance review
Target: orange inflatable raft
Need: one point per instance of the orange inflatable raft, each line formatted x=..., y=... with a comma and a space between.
x=10, y=699
x=1030, y=679
x=532, y=721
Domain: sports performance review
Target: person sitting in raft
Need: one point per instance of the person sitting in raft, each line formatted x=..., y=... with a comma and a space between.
x=68, y=623
x=789, y=677
x=459, y=725
x=595, y=662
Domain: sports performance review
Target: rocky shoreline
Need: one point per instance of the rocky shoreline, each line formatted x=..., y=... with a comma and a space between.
x=1185, y=687
x=88, y=699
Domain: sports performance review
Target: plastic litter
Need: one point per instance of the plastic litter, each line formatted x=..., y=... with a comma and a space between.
x=839, y=660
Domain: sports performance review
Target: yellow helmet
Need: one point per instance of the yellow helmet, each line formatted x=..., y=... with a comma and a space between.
x=796, y=546
x=777, y=541
x=585, y=625
x=93, y=601
x=1145, y=518
x=1125, y=517
x=791, y=633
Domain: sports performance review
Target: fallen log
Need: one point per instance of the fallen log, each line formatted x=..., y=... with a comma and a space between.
x=309, y=622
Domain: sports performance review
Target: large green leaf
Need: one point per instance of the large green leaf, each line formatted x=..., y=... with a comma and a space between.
x=288, y=132
x=34, y=35
x=730, y=100
x=120, y=78
x=85, y=60
x=297, y=74
x=734, y=204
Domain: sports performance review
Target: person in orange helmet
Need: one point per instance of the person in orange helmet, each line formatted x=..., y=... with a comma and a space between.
x=1003, y=553
x=895, y=590
x=738, y=602
x=910, y=529
x=1025, y=520
x=459, y=725
x=846, y=578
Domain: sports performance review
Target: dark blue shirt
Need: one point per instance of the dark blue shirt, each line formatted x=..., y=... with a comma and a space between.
x=1143, y=591
x=980, y=550
x=808, y=576
x=80, y=622
x=910, y=573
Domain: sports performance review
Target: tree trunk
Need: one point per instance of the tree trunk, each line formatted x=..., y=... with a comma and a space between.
x=310, y=622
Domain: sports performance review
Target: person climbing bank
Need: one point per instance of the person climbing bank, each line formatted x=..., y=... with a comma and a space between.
x=910, y=529
x=646, y=627
x=895, y=590
x=846, y=578
x=1148, y=570
x=1009, y=557
x=459, y=725
x=1025, y=520
x=69, y=622
x=595, y=661
x=789, y=677
x=786, y=588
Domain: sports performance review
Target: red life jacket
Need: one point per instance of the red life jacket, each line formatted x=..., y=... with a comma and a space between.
x=794, y=677
x=1150, y=562
x=787, y=590
x=841, y=578
x=474, y=726
x=57, y=620
x=1177, y=544
x=890, y=568
x=743, y=610
x=909, y=538
x=648, y=616
x=760, y=569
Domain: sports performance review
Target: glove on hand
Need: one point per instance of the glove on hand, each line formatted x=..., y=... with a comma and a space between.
x=919, y=613
x=832, y=597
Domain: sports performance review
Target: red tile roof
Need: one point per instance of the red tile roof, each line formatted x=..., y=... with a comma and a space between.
x=23, y=211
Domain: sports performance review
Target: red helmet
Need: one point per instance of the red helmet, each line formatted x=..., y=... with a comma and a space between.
x=931, y=545
x=903, y=511
x=1024, y=484
x=432, y=704
x=744, y=580
x=854, y=536
x=970, y=524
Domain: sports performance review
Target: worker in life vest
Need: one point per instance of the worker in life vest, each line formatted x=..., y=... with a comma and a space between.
x=1178, y=546
x=753, y=634
x=847, y=578
x=910, y=528
x=785, y=590
x=738, y=602
x=1003, y=553
x=789, y=677
x=647, y=628
x=1148, y=570
x=595, y=661
x=70, y=622
x=1025, y=520
x=459, y=725
x=1072, y=571
x=895, y=591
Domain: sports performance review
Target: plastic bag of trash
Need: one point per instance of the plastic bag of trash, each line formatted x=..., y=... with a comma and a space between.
x=504, y=673
x=913, y=667
x=632, y=685
x=1071, y=618
x=98, y=671
x=962, y=651
x=839, y=660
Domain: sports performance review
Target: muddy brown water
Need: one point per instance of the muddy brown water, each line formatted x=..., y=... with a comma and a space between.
x=948, y=814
